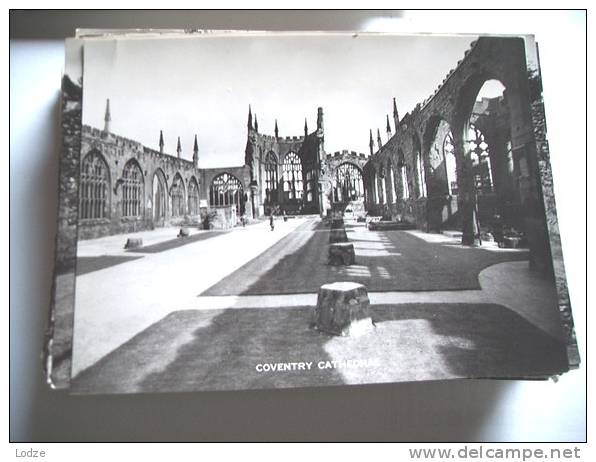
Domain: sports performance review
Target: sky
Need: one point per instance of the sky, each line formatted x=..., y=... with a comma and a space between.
x=203, y=85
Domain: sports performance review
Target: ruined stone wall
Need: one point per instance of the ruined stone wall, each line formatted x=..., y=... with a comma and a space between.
x=117, y=151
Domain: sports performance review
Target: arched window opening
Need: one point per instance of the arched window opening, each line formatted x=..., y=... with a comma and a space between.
x=227, y=190
x=95, y=187
x=193, y=197
x=292, y=177
x=177, y=193
x=132, y=190
x=450, y=164
x=159, y=197
x=350, y=185
x=271, y=178
x=404, y=181
x=481, y=167
x=392, y=180
x=420, y=175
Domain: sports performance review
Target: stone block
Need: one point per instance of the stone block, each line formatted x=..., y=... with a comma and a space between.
x=337, y=223
x=343, y=308
x=184, y=232
x=511, y=242
x=133, y=243
x=342, y=253
x=338, y=235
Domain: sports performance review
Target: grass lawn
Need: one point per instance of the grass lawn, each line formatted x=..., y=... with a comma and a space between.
x=219, y=349
x=389, y=261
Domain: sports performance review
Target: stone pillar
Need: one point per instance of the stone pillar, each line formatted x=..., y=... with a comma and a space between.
x=466, y=188
x=343, y=309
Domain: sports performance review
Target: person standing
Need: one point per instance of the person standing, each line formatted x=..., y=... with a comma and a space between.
x=271, y=220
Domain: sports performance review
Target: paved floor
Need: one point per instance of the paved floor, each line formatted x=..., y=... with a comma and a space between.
x=110, y=313
x=115, y=303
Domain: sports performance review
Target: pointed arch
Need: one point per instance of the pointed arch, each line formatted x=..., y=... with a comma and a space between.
x=293, y=183
x=349, y=182
x=159, y=197
x=132, y=189
x=193, y=196
x=177, y=194
x=403, y=175
x=94, y=197
x=225, y=190
x=419, y=167
x=271, y=178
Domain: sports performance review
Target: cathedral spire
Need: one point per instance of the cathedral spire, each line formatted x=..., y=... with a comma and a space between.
x=371, y=143
x=395, y=116
x=305, y=127
x=276, y=129
x=249, y=124
x=388, y=128
x=179, y=148
x=256, y=123
x=108, y=117
x=195, y=153
x=379, y=138
x=161, y=143
x=320, y=118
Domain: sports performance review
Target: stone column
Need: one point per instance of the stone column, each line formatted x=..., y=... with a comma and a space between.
x=466, y=188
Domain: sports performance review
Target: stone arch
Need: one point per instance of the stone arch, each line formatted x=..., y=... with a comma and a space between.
x=159, y=200
x=225, y=190
x=271, y=171
x=94, y=196
x=349, y=182
x=178, y=196
x=193, y=196
x=133, y=189
x=292, y=177
x=419, y=166
x=404, y=175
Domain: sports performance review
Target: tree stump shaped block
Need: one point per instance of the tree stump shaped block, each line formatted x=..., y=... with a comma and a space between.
x=337, y=223
x=184, y=232
x=338, y=235
x=342, y=253
x=133, y=243
x=343, y=309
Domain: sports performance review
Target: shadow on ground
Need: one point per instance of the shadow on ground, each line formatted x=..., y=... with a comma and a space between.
x=219, y=349
x=176, y=242
x=89, y=264
x=386, y=261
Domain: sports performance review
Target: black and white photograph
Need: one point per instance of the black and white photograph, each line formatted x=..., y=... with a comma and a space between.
x=246, y=210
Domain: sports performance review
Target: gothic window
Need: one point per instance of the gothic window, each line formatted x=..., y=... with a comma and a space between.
x=378, y=198
x=392, y=181
x=159, y=196
x=132, y=189
x=479, y=153
x=271, y=179
x=404, y=181
x=193, y=197
x=349, y=182
x=95, y=187
x=450, y=165
x=177, y=194
x=292, y=177
x=420, y=176
x=225, y=190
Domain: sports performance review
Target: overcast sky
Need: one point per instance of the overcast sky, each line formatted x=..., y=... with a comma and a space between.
x=204, y=85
